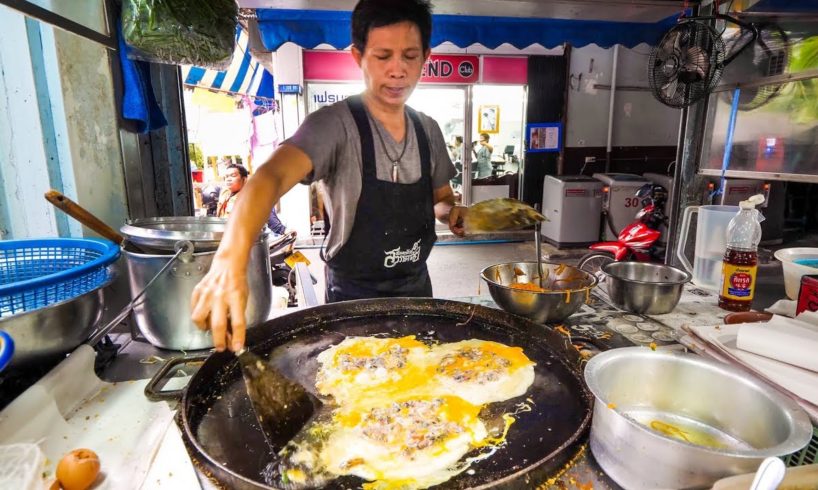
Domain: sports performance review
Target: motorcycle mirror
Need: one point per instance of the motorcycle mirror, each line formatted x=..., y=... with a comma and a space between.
x=645, y=190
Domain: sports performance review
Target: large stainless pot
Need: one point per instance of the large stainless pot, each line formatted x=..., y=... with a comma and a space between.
x=163, y=315
x=635, y=387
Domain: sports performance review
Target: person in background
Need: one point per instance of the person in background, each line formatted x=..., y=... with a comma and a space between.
x=456, y=155
x=384, y=169
x=234, y=179
x=456, y=149
x=482, y=153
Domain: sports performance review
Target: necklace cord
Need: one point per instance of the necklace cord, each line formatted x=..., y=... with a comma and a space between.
x=394, y=161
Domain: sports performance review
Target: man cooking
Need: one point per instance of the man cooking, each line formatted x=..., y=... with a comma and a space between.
x=385, y=173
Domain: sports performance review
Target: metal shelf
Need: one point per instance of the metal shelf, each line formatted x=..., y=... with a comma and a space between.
x=749, y=174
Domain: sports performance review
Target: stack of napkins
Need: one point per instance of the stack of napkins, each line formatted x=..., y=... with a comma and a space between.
x=783, y=352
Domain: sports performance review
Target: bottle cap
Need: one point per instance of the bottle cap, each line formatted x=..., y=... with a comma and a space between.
x=752, y=202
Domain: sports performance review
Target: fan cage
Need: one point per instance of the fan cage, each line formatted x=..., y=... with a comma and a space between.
x=687, y=64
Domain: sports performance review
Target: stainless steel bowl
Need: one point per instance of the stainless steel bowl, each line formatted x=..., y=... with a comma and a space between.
x=568, y=287
x=646, y=288
x=636, y=386
x=54, y=329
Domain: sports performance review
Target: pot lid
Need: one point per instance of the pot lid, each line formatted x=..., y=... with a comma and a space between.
x=163, y=232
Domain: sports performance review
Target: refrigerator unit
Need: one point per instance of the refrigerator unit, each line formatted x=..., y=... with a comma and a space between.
x=573, y=205
x=773, y=208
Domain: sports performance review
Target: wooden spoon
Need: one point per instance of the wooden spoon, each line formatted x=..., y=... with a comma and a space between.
x=82, y=215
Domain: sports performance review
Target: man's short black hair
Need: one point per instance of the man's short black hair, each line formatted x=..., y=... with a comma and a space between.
x=369, y=14
x=242, y=171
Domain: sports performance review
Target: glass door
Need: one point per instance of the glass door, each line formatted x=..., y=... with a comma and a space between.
x=447, y=106
x=498, y=115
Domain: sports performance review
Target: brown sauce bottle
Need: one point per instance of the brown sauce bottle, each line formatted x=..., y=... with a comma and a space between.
x=738, y=279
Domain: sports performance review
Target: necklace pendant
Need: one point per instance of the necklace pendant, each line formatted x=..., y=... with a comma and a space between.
x=395, y=172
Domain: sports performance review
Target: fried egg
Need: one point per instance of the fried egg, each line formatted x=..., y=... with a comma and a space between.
x=362, y=367
x=414, y=441
x=480, y=371
x=406, y=412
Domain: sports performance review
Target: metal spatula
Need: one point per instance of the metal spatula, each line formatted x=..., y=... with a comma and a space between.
x=282, y=406
x=500, y=214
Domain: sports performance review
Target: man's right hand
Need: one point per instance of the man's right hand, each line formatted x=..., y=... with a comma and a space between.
x=219, y=301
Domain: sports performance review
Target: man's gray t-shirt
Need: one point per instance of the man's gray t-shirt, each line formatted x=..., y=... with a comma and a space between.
x=330, y=138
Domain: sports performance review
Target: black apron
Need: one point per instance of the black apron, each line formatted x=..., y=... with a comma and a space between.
x=393, y=231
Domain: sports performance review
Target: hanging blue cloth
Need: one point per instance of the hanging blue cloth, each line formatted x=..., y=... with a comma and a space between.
x=138, y=101
x=309, y=28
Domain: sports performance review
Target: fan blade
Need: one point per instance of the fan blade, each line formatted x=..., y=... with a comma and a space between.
x=669, y=89
x=696, y=63
x=677, y=41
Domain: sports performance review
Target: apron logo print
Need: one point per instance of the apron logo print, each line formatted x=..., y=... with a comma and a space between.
x=397, y=256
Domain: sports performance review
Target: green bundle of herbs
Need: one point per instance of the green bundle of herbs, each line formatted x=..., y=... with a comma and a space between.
x=192, y=32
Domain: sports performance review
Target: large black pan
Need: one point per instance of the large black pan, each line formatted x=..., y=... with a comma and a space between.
x=223, y=437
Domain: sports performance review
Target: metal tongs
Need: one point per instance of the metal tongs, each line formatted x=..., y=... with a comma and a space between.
x=501, y=214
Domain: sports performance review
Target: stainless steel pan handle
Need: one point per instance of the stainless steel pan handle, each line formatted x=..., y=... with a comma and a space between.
x=184, y=250
x=282, y=241
x=153, y=390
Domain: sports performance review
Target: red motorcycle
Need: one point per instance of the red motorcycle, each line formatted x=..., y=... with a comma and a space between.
x=639, y=240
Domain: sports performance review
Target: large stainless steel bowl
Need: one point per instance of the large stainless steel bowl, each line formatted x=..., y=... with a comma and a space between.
x=568, y=289
x=635, y=387
x=641, y=287
x=54, y=329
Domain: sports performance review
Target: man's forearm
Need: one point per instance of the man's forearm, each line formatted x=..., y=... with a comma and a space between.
x=443, y=209
x=444, y=202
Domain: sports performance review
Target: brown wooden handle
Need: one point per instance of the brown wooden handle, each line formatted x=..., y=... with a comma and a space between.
x=82, y=215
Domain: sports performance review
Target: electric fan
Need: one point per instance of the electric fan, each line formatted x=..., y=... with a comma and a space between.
x=689, y=60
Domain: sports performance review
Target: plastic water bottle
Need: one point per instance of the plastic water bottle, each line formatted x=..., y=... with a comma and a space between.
x=740, y=263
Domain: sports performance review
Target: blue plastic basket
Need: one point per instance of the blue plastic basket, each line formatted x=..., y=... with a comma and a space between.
x=41, y=272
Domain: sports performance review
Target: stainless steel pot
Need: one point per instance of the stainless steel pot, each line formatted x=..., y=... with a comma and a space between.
x=709, y=402
x=645, y=288
x=567, y=289
x=163, y=316
x=163, y=233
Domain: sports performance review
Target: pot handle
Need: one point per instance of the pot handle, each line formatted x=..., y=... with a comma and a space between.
x=281, y=242
x=153, y=390
x=685, y=231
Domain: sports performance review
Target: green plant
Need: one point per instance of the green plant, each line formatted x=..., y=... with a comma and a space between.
x=195, y=154
x=800, y=98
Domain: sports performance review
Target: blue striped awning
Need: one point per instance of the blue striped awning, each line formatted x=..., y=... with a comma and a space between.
x=309, y=28
x=245, y=76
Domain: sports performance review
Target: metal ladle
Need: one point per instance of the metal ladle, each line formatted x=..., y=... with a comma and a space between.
x=538, y=246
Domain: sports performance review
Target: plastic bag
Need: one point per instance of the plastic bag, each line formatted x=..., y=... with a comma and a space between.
x=182, y=32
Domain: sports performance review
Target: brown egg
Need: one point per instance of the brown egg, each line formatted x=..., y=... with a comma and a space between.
x=78, y=469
